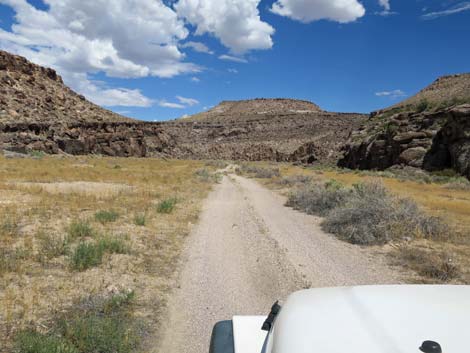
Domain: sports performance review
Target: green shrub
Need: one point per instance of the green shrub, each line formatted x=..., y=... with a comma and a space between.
x=35, y=342
x=106, y=216
x=140, y=219
x=80, y=229
x=167, y=205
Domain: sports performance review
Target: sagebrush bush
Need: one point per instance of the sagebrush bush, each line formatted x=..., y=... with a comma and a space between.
x=106, y=216
x=167, y=205
x=206, y=176
x=318, y=199
x=80, y=229
x=370, y=215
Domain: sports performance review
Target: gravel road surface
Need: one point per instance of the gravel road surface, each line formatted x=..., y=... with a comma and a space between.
x=249, y=250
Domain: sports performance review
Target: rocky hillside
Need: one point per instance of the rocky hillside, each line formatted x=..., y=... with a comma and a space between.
x=445, y=92
x=430, y=130
x=33, y=94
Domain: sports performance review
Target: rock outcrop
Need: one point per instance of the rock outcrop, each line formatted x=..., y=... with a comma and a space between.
x=429, y=131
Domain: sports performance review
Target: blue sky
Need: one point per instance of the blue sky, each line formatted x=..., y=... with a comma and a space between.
x=140, y=58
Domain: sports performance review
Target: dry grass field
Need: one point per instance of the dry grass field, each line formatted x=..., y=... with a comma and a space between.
x=89, y=247
x=445, y=258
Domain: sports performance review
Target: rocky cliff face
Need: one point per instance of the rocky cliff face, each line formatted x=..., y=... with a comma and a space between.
x=429, y=131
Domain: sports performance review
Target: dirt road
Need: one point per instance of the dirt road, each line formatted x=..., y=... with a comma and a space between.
x=249, y=250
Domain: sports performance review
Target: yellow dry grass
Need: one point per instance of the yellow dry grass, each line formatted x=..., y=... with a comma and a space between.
x=42, y=197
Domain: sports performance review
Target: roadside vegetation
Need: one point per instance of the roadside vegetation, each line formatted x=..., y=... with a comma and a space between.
x=420, y=220
x=87, y=241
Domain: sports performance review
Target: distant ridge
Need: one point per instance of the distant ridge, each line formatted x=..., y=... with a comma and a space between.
x=256, y=107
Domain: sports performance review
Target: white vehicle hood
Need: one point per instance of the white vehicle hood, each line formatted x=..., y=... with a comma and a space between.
x=373, y=319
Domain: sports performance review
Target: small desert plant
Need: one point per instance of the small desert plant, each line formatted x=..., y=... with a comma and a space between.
x=52, y=245
x=80, y=229
x=167, y=205
x=86, y=255
x=140, y=219
x=437, y=266
x=318, y=199
x=108, y=216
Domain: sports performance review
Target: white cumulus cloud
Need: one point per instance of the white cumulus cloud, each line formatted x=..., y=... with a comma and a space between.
x=122, y=38
x=342, y=11
x=236, y=23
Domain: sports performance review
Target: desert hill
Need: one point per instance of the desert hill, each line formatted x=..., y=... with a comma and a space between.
x=252, y=108
x=430, y=130
x=31, y=93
